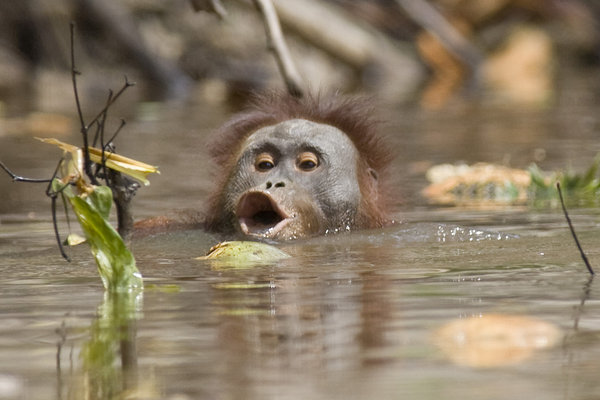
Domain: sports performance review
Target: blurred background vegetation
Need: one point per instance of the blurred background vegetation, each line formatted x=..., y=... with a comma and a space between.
x=509, y=82
x=434, y=54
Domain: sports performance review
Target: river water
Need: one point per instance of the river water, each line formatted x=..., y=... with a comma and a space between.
x=380, y=314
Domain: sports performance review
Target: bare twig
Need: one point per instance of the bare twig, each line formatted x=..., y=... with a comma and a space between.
x=99, y=132
x=74, y=73
x=17, y=178
x=100, y=135
x=112, y=100
x=100, y=125
x=114, y=136
x=50, y=193
x=277, y=45
x=56, y=232
x=87, y=164
x=66, y=211
x=123, y=190
x=53, y=195
x=107, y=149
x=122, y=187
x=583, y=256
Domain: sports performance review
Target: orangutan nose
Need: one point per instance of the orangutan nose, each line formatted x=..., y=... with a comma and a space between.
x=269, y=185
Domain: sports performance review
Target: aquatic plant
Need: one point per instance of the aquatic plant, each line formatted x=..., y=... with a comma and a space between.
x=76, y=181
x=580, y=189
x=485, y=184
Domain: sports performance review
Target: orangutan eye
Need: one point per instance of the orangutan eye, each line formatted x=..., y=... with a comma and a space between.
x=264, y=162
x=308, y=161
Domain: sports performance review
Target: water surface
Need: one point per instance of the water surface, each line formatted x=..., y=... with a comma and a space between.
x=349, y=316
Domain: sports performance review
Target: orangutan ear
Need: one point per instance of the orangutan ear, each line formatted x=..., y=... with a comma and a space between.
x=370, y=184
x=373, y=174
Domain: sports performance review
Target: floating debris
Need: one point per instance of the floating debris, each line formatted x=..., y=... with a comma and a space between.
x=243, y=254
x=495, y=339
x=477, y=184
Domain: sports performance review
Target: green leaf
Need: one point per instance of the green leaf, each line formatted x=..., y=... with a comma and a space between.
x=115, y=262
x=578, y=189
x=101, y=199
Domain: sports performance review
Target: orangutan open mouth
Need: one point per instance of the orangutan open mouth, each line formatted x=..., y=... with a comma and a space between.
x=259, y=214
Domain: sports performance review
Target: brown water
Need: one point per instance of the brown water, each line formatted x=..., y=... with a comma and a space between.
x=350, y=316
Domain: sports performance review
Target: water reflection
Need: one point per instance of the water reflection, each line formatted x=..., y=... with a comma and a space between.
x=283, y=325
x=109, y=359
x=493, y=340
x=348, y=316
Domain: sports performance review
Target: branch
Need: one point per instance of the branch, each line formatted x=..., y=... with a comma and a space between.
x=276, y=43
x=50, y=193
x=100, y=125
x=53, y=195
x=74, y=73
x=17, y=178
x=87, y=163
x=56, y=232
x=583, y=256
x=123, y=190
x=111, y=101
x=213, y=6
x=114, y=136
x=430, y=19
